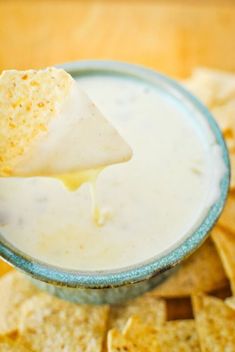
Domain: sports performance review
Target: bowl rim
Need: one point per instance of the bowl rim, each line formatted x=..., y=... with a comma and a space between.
x=168, y=259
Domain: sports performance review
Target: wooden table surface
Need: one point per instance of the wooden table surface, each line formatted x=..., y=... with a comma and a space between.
x=170, y=36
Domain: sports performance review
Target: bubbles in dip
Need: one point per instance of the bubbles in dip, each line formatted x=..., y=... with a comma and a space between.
x=148, y=204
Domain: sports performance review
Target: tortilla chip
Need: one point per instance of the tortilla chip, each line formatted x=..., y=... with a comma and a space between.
x=116, y=342
x=230, y=301
x=48, y=322
x=213, y=87
x=215, y=323
x=225, y=116
x=150, y=309
x=34, y=104
x=179, y=335
x=230, y=141
x=225, y=243
x=143, y=336
x=232, y=163
x=10, y=344
x=4, y=268
x=227, y=219
x=203, y=87
x=14, y=291
x=201, y=272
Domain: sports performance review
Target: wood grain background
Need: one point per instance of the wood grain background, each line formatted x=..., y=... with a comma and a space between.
x=170, y=36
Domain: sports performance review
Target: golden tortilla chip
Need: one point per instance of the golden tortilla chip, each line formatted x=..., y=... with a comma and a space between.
x=14, y=291
x=201, y=272
x=202, y=87
x=179, y=335
x=232, y=163
x=4, y=268
x=215, y=323
x=225, y=116
x=143, y=336
x=50, y=324
x=213, y=87
x=227, y=219
x=116, y=342
x=10, y=344
x=33, y=107
x=150, y=309
x=230, y=141
x=225, y=243
x=230, y=301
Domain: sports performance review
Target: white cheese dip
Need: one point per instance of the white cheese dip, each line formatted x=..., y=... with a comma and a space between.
x=150, y=203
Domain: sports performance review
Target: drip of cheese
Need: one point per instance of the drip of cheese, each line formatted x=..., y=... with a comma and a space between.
x=73, y=181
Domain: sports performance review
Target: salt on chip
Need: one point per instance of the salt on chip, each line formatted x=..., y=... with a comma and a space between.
x=201, y=272
x=225, y=243
x=14, y=291
x=179, y=335
x=215, y=323
x=150, y=309
x=143, y=336
x=50, y=324
x=116, y=342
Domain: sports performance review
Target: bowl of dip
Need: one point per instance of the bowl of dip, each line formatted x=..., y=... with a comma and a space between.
x=158, y=208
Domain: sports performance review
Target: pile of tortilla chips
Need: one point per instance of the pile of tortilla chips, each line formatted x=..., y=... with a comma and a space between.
x=184, y=313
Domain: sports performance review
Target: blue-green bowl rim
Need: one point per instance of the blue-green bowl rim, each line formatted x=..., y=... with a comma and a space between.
x=154, y=266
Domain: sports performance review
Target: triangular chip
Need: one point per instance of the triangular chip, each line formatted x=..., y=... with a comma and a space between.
x=201, y=272
x=227, y=219
x=143, y=336
x=14, y=291
x=48, y=126
x=48, y=322
x=179, y=335
x=116, y=342
x=225, y=243
x=215, y=323
x=150, y=309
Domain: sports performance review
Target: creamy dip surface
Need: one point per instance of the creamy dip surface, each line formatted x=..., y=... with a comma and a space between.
x=147, y=205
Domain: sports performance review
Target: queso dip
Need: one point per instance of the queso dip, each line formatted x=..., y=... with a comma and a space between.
x=147, y=205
